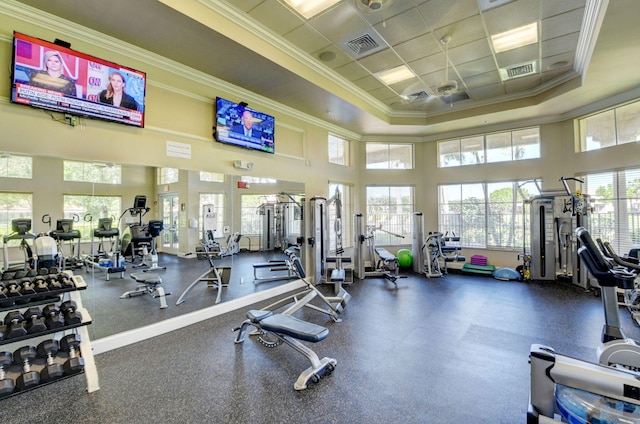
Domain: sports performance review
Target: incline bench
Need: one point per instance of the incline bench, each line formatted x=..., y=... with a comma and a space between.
x=290, y=330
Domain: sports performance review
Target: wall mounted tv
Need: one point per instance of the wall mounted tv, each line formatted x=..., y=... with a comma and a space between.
x=238, y=125
x=53, y=77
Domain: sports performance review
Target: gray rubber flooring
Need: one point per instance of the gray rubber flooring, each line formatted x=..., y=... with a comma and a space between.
x=445, y=350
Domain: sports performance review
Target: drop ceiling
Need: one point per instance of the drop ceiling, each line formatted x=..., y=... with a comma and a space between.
x=326, y=66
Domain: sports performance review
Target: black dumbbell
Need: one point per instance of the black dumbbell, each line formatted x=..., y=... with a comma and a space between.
x=40, y=283
x=4, y=297
x=8, y=275
x=28, y=378
x=34, y=320
x=13, y=288
x=14, y=321
x=27, y=287
x=52, y=281
x=3, y=331
x=70, y=311
x=53, y=318
x=66, y=280
x=6, y=384
x=70, y=343
x=52, y=370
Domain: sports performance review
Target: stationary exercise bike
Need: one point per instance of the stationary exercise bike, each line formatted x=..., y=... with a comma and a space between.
x=616, y=349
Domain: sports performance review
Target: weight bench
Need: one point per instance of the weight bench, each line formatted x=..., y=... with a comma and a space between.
x=272, y=266
x=149, y=284
x=291, y=330
x=387, y=262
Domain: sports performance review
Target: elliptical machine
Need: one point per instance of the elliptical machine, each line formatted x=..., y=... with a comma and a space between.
x=616, y=349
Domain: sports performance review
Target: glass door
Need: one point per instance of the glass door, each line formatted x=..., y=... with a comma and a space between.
x=170, y=208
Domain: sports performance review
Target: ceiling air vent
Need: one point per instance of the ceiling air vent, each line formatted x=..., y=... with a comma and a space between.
x=518, y=71
x=363, y=44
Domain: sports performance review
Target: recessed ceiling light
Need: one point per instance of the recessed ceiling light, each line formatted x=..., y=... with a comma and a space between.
x=394, y=75
x=327, y=56
x=515, y=38
x=309, y=9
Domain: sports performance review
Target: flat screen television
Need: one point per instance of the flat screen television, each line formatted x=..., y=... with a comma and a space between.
x=241, y=126
x=50, y=76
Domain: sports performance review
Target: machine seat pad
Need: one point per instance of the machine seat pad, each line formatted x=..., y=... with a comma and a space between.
x=337, y=275
x=143, y=277
x=106, y=233
x=455, y=259
x=385, y=255
x=272, y=264
x=288, y=325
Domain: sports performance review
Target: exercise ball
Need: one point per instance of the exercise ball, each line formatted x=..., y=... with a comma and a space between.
x=405, y=258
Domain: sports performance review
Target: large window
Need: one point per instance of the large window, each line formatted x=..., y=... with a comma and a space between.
x=389, y=211
x=15, y=166
x=609, y=128
x=346, y=220
x=485, y=215
x=211, y=177
x=87, y=210
x=167, y=176
x=497, y=147
x=91, y=172
x=389, y=156
x=13, y=206
x=616, y=207
x=338, y=150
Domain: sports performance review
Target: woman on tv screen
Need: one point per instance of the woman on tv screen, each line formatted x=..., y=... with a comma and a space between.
x=115, y=93
x=51, y=75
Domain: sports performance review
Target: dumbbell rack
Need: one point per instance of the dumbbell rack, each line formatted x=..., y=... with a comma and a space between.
x=81, y=328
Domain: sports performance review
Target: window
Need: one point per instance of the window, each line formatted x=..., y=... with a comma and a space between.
x=86, y=210
x=485, y=215
x=167, y=176
x=615, y=198
x=217, y=200
x=338, y=150
x=90, y=172
x=257, y=180
x=390, y=210
x=389, y=156
x=346, y=221
x=15, y=166
x=250, y=218
x=13, y=206
x=609, y=128
x=497, y=147
x=211, y=177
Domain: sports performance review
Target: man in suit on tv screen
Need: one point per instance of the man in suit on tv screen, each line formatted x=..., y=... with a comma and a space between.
x=247, y=127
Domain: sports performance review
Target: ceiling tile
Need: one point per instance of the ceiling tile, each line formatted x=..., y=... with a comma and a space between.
x=522, y=83
x=368, y=83
x=476, y=67
x=422, y=46
x=339, y=22
x=306, y=38
x=352, y=71
x=390, y=9
x=559, y=25
x=402, y=27
x=276, y=17
x=341, y=58
x=441, y=13
x=386, y=59
x=511, y=15
x=469, y=52
x=550, y=8
x=560, y=45
x=519, y=55
x=245, y=5
x=428, y=65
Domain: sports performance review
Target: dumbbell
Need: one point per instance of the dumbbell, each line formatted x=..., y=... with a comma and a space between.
x=13, y=288
x=53, y=318
x=14, y=321
x=34, y=320
x=4, y=298
x=6, y=384
x=75, y=363
x=52, y=370
x=40, y=283
x=27, y=287
x=28, y=378
x=52, y=281
x=65, y=280
x=70, y=311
